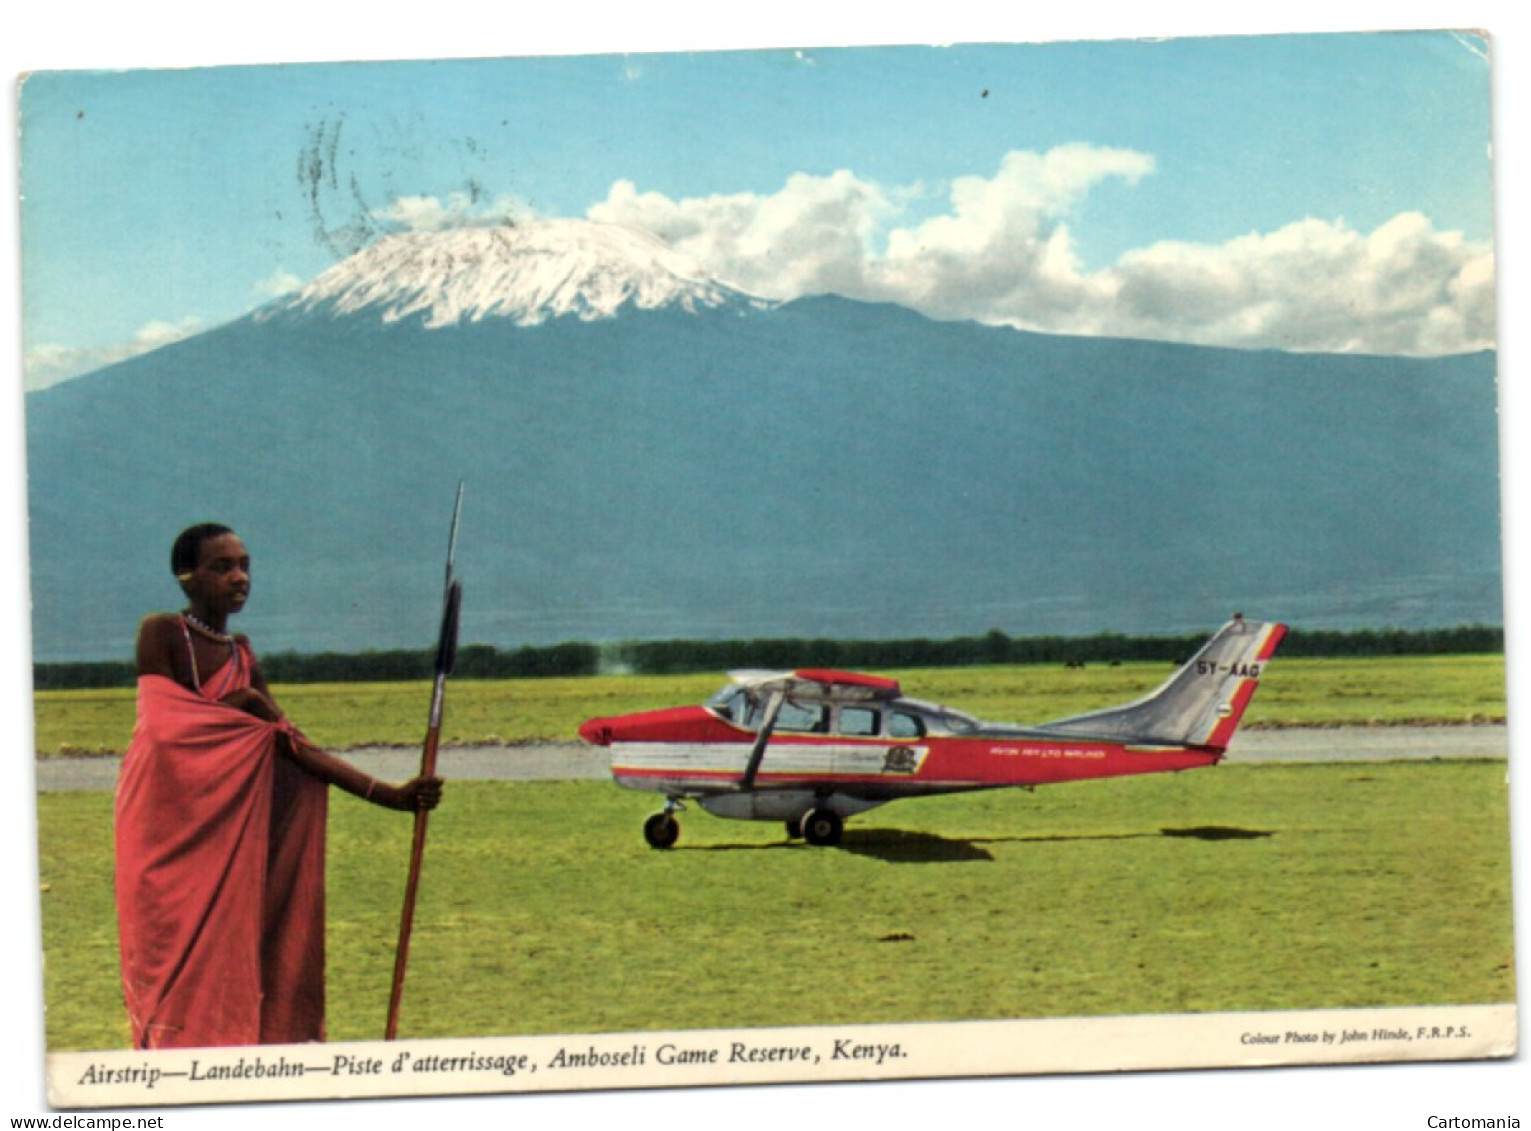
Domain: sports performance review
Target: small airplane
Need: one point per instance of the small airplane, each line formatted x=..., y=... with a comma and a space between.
x=815, y=746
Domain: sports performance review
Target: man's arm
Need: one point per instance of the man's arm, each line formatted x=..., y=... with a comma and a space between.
x=154, y=653
x=417, y=793
x=255, y=699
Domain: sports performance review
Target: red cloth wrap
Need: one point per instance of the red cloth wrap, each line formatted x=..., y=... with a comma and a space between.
x=219, y=875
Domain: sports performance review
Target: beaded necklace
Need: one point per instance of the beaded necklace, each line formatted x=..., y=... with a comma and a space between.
x=208, y=630
x=188, y=622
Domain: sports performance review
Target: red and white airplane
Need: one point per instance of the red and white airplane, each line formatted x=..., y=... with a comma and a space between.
x=813, y=747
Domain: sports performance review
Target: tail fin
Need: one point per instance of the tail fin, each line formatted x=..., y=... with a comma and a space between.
x=1201, y=704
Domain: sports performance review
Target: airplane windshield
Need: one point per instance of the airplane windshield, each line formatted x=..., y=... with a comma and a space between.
x=730, y=702
x=739, y=706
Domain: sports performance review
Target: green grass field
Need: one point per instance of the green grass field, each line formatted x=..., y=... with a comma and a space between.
x=1302, y=692
x=542, y=911
x=1244, y=887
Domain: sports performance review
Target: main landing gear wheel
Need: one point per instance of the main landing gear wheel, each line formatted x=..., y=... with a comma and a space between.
x=661, y=830
x=822, y=827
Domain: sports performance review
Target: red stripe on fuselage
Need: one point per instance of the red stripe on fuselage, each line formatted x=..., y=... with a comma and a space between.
x=951, y=763
x=1023, y=762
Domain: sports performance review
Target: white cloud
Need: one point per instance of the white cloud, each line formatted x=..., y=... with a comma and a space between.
x=158, y=333
x=1001, y=245
x=459, y=210
x=813, y=236
x=1003, y=253
x=1000, y=251
x=279, y=283
x=48, y=364
x=1405, y=288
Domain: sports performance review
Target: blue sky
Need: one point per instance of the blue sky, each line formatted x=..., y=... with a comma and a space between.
x=1066, y=178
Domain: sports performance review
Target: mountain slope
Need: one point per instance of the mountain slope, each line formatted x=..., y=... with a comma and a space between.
x=824, y=467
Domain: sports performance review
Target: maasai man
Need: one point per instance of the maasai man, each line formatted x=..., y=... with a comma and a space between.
x=220, y=819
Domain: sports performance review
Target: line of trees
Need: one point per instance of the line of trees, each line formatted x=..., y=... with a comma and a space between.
x=995, y=647
x=673, y=657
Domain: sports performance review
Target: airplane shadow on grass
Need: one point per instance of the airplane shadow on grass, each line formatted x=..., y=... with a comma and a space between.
x=898, y=846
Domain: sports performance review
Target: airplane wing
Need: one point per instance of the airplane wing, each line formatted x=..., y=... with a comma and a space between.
x=822, y=684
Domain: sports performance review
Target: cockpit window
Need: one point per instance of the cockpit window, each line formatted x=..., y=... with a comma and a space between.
x=746, y=707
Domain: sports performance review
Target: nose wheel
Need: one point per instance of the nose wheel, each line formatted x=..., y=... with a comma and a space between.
x=662, y=830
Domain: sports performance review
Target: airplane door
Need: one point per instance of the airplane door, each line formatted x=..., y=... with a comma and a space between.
x=858, y=752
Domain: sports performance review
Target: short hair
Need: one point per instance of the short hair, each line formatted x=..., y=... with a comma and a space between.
x=187, y=550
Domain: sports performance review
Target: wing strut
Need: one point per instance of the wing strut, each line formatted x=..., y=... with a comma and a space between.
x=762, y=740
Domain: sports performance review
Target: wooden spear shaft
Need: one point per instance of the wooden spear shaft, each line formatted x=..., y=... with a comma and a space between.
x=446, y=651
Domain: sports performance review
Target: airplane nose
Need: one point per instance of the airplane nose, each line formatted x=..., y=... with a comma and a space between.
x=597, y=732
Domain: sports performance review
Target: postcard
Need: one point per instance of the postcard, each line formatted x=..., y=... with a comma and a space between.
x=804, y=565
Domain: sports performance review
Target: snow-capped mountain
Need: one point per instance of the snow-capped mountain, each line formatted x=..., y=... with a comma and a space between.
x=526, y=272
x=703, y=465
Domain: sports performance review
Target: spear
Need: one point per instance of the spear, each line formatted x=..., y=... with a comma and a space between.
x=446, y=655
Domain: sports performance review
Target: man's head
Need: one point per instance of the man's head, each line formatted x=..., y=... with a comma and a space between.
x=187, y=550
x=213, y=568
